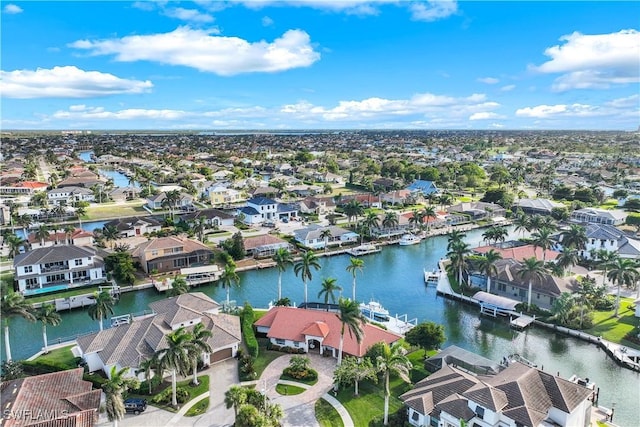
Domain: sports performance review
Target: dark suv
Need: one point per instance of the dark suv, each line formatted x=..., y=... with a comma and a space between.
x=135, y=405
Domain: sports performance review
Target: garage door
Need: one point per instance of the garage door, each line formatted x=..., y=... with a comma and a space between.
x=221, y=355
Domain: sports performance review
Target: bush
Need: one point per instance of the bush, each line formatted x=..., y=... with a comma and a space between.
x=248, y=332
x=164, y=397
x=37, y=367
x=96, y=379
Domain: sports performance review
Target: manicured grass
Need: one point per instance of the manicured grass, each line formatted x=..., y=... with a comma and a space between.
x=112, y=210
x=264, y=358
x=305, y=381
x=66, y=294
x=417, y=358
x=327, y=415
x=59, y=356
x=614, y=329
x=194, y=391
x=199, y=408
x=289, y=390
x=257, y=314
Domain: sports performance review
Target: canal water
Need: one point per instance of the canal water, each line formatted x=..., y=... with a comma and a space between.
x=119, y=179
x=394, y=277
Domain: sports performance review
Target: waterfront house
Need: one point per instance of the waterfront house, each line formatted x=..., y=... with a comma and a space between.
x=518, y=395
x=82, y=178
x=171, y=254
x=127, y=345
x=317, y=331
x=259, y=210
x=310, y=236
x=135, y=226
x=212, y=217
x=77, y=237
x=57, y=267
x=122, y=194
x=599, y=216
x=536, y=206
x=397, y=197
x=477, y=210
x=609, y=238
x=264, y=245
x=69, y=195
x=317, y=205
x=58, y=399
x=23, y=188
x=158, y=201
x=519, y=251
x=422, y=187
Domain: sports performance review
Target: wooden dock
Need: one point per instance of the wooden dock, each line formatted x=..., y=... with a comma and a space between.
x=521, y=322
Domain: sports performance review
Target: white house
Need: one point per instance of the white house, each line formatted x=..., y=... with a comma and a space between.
x=609, y=238
x=57, y=267
x=311, y=236
x=599, y=216
x=69, y=195
x=259, y=210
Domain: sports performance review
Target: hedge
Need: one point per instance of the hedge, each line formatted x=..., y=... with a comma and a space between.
x=247, y=331
x=38, y=367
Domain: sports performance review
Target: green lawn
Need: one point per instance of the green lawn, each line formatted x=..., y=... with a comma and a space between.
x=112, y=210
x=289, y=390
x=60, y=356
x=65, y=294
x=264, y=358
x=199, y=408
x=327, y=415
x=614, y=329
x=304, y=381
x=194, y=391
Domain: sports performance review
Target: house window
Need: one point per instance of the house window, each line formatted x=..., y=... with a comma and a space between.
x=296, y=344
x=280, y=341
x=538, y=296
x=154, y=253
x=433, y=422
x=32, y=283
x=415, y=416
x=77, y=262
x=522, y=292
x=502, y=287
x=480, y=412
x=28, y=269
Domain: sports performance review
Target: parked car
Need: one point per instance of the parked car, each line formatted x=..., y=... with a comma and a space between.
x=135, y=405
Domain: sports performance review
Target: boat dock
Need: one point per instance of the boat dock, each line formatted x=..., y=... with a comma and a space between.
x=521, y=322
x=364, y=250
x=399, y=324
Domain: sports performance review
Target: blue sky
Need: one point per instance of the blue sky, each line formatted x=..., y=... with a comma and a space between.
x=320, y=65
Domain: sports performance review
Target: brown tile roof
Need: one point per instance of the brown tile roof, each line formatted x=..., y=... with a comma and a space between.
x=257, y=241
x=317, y=329
x=188, y=245
x=520, y=253
x=289, y=323
x=50, y=400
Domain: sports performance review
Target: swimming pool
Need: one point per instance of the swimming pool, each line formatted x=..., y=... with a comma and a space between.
x=46, y=290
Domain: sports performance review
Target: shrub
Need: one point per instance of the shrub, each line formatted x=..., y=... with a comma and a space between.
x=164, y=397
x=96, y=379
x=37, y=367
x=248, y=332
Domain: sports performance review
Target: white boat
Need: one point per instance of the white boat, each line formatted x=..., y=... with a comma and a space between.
x=374, y=311
x=409, y=239
x=368, y=248
x=431, y=277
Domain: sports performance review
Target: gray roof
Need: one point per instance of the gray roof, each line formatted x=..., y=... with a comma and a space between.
x=509, y=272
x=56, y=253
x=537, y=204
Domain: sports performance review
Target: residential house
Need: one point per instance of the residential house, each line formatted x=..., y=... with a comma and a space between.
x=519, y=395
x=123, y=194
x=303, y=190
x=58, y=399
x=224, y=196
x=317, y=205
x=478, y=210
x=128, y=345
x=599, y=216
x=264, y=245
x=423, y=188
x=82, y=178
x=56, y=268
x=397, y=197
x=287, y=211
x=509, y=283
x=311, y=236
x=77, y=237
x=212, y=217
x=171, y=254
x=317, y=331
x=259, y=210
x=536, y=206
x=135, y=226
x=608, y=238
x=184, y=202
x=519, y=251
x=69, y=195
x=25, y=188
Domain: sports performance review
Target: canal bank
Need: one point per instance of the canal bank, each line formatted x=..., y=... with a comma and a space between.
x=395, y=277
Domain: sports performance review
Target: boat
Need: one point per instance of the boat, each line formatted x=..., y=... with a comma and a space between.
x=507, y=360
x=365, y=249
x=431, y=277
x=374, y=311
x=409, y=239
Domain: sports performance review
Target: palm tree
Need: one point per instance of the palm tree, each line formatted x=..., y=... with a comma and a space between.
x=521, y=223
x=574, y=237
x=48, y=315
x=148, y=366
x=355, y=265
x=458, y=257
x=178, y=287
x=487, y=265
x=176, y=357
x=352, y=318
x=13, y=305
x=533, y=270
x=229, y=277
x=329, y=286
x=622, y=271
x=390, y=220
x=42, y=234
x=542, y=239
x=114, y=388
x=282, y=258
x=353, y=209
x=15, y=243
x=110, y=233
x=24, y=221
x=326, y=235
x=199, y=344
x=535, y=223
x=80, y=212
x=371, y=221
x=567, y=259
x=235, y=397
x=427, y=212
x=103, y=306
x=198, y=228
x=303, y=268
x=605, y=258
x=455, y=236
x=68, y=232
x=393, y=360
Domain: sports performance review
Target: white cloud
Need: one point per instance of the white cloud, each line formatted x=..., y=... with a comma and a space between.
x=432, y=10
x=508, y=88
x=266, y=21
x=628, y=102
x=67, y=82
x=564, y=110
x=489, y=80
x=594, y=61
x=201, y=50
x=191, y=15
x=144, y=5
x=485, y=115
x=12, y=9
x=99, y=113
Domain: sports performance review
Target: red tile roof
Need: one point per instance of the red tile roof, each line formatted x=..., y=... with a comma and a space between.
x=293, y=324
x=520, y=253
x=317, y=329
x=32, y=184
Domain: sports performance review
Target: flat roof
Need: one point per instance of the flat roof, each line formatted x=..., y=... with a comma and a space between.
x=496, y=300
